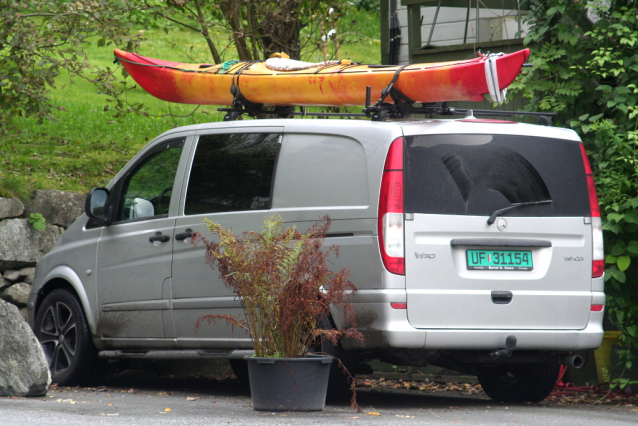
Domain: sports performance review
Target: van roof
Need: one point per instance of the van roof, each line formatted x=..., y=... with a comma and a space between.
x=409, y=127
x=501, y=127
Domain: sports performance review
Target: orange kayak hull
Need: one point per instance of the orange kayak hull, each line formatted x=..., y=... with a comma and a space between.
x=336, y=85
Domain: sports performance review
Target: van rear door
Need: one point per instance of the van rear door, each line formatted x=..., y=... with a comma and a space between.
x=528, y=269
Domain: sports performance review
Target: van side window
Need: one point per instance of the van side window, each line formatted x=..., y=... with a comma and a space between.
x=147, y=190
x=232, y=172
x=321, y=170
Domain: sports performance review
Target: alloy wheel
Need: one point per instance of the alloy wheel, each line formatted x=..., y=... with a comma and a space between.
x=58, y=336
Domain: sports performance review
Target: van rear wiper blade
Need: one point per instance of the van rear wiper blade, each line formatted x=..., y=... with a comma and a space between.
x=499, y=212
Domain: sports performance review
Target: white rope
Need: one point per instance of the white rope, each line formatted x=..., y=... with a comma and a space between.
x=284, y=64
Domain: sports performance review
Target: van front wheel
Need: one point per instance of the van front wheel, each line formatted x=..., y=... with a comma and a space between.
x=64, y=334
x=531, y=382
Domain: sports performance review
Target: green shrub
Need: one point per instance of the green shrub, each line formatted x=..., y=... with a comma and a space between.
x=587, y=72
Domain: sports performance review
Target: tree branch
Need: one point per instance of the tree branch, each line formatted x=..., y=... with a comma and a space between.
x=165, y=16
x=29, y=15
x=206, y=34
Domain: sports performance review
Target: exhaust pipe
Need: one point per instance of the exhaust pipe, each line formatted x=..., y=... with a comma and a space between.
x=575, y=361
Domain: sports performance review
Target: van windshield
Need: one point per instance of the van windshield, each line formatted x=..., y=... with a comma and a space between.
x=479, y=174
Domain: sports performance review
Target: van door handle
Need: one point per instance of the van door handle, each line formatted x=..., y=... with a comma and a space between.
x=158, y=237
x=188, y=233
x=502, y=297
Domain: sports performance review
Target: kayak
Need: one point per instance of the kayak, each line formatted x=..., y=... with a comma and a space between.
x=334, y=83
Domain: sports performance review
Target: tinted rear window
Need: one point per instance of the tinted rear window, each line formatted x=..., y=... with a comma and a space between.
x=477, y=174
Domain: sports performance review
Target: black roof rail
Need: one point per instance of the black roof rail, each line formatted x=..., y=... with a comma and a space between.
x=379, y=112
x=544, y=118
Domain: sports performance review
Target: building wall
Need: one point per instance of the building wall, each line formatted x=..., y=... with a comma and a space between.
x=493, y=25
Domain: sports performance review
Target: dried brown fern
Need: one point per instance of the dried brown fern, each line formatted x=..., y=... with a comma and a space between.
x=283, y=281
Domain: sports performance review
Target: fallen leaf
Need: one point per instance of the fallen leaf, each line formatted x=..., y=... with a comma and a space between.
x=406, y=417
x=111, y=404
x=167, y=409
x=190, y=398
x=373, y=413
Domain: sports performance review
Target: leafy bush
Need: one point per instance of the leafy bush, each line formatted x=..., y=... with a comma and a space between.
x=369, y=5
x=586, y=68
x=283, y=282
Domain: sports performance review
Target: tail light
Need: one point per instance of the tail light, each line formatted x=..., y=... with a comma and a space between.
x=391, y=236
x=598, y=263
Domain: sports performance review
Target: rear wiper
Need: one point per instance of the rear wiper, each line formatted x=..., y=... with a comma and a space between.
x=499, y=212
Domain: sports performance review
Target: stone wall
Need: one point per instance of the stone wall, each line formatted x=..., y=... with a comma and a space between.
x=22, y=246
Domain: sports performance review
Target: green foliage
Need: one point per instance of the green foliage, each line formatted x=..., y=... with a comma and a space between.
x=40, y=38
x=284, y=284
x=256, y=28
x=587, y=72
x=86, y=145
x=13, y=187
x=620, y=382
x=369, y=5
x=38, y=221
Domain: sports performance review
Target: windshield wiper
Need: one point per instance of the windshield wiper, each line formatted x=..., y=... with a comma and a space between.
x=498, y=212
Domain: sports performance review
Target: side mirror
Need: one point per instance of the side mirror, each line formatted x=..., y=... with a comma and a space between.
x=97, y=205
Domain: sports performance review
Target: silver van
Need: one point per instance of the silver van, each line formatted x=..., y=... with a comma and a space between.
x=475, y=245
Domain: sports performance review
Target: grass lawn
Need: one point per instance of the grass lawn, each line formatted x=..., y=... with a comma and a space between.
x=86, y=145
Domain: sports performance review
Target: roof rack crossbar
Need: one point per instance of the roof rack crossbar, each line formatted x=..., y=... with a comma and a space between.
x=505, y=113
x=379, y=112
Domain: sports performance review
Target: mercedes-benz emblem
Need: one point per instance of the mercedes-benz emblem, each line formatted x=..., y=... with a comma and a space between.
x=501, y=224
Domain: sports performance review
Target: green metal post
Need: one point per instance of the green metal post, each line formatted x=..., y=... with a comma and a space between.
x=414, y=28
x=385, y=31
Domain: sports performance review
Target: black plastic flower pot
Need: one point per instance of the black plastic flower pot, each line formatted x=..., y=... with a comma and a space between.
x=289, y=384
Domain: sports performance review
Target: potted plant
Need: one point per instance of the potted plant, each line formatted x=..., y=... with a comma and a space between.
x=285, y=287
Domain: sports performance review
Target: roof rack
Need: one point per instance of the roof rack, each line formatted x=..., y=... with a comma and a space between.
x=381, y=111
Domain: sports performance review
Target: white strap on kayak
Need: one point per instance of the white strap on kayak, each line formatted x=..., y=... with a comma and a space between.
x=491, y=76
x=284, y=64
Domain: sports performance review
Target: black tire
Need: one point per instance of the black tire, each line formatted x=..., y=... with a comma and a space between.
x=240, y=369
x=531, y=382
x=339, y=381
x=64, y=334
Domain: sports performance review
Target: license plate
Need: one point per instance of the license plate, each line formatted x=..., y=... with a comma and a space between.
x=499, y=260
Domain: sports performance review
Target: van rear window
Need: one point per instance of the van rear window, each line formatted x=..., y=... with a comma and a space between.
x=478, y=174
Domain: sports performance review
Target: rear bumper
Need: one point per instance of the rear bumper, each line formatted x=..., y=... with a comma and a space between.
x=384, y=327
